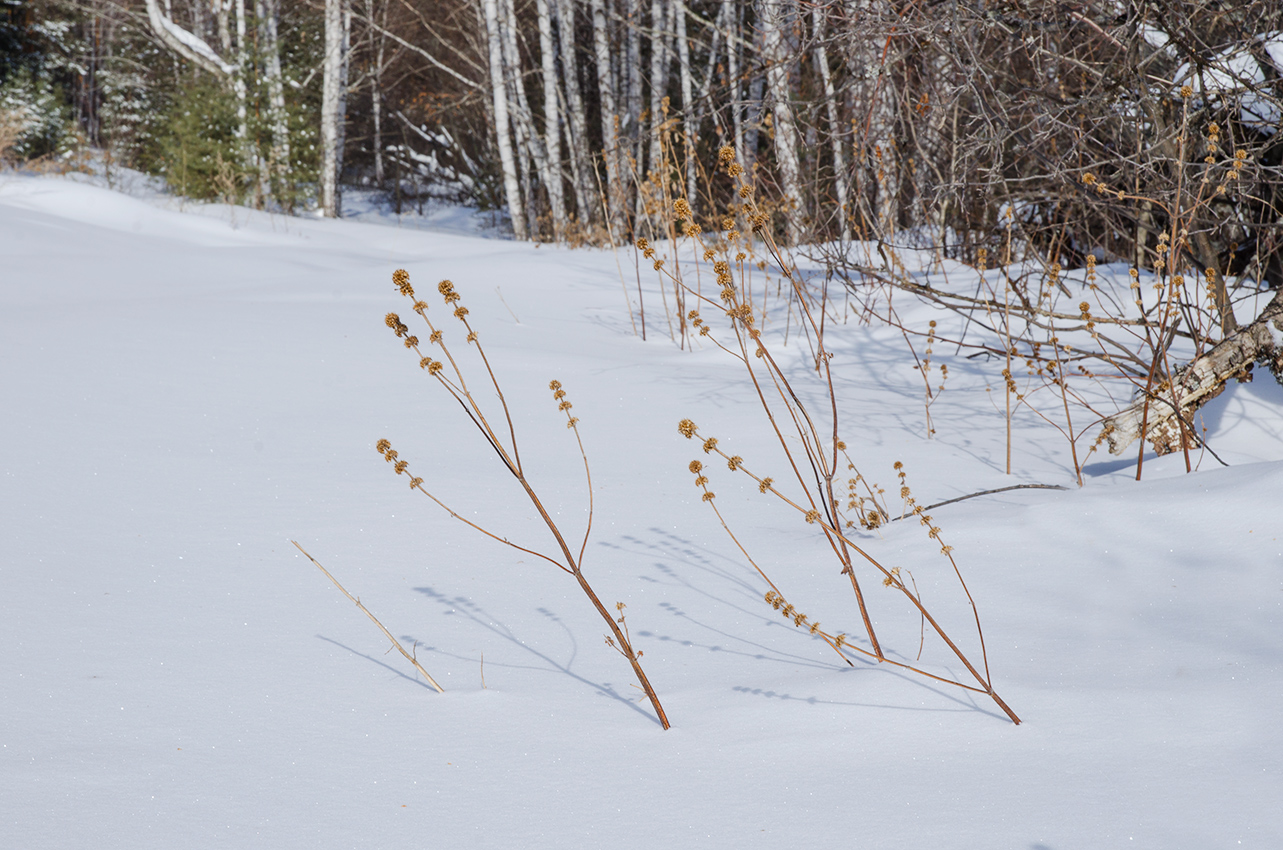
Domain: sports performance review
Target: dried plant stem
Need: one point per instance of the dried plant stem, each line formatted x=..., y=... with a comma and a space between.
x=819, y=504
x=507, y=454
x=382, y=628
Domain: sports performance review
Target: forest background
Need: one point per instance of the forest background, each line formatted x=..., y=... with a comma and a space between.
x=942, y=124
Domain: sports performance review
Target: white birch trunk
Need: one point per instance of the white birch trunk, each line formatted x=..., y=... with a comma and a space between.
x=269, y=13
x=531, y=144
x=221, y=9
x=331, y=83
x=246, y=155
x=835, y=129
x=688, y=106
x=499, y=98
x=609, y=116
x=552, y=119
x=734, y=52
x=776, y=54
x=186, y=44
x=633, y=66
x=753, y=108
x=659, y=61
x=703, y=99
x=577, y=125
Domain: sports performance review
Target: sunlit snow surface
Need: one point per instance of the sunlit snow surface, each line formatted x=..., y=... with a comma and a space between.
x=187, y=389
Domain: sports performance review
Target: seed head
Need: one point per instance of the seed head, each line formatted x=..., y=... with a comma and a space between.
x=765, y=485
x=382, y=446
x=687, y=428
x=401, y=278
x=695, y=467
x=710, y=444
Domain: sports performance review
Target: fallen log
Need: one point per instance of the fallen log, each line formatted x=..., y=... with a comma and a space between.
x=1197, y=383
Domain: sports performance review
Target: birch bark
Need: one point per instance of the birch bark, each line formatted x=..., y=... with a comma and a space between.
x=532, y=146
x=688, y=113
x=659, y=62
x=581, y=167
x=331, y=82
x=499, y=98
x=774, y=17
x=552, y=119
x=835, y=129
x=269, y=15
x=734, y=52
x=609, y=117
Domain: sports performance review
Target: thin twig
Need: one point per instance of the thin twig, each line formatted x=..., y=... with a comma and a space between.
x=395, y=642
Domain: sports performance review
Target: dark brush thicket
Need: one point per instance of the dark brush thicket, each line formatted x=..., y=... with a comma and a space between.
x=940, y=123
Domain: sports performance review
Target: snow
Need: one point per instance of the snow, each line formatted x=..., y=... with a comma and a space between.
x=1236, y=72
x=186, y=390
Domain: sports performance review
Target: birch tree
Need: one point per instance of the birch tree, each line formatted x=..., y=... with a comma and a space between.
x=777, y=57
x=503, y=138
x=332, y=100
x=577, y=125
x=835, y=133
x=606, y=89
x=552, y=118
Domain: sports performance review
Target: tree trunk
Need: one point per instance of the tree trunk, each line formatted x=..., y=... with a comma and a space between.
x=581, y=165
x=532, y=145
x=688, y=112
x=659, y=60
x=499, y=97
x=376, y=89
x=835, y=128
x=331, y=113
x=776, y=54
x=609, y=117
x=1198, y=382
x=633, y=90
x=552, y=120
x=186, y=44
x=269, y=12
x=734, y=57
x=753, y=109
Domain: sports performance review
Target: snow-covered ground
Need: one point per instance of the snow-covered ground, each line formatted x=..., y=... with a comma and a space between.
x=184, y=391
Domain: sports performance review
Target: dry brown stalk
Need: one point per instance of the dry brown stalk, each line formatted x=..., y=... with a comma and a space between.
x=815, y=466
x=508, y=455
x=408, y=657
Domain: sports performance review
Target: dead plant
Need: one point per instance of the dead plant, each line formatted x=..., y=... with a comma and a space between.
x=502, y=440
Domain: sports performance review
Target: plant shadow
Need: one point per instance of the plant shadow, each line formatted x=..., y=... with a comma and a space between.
x=479, y=616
